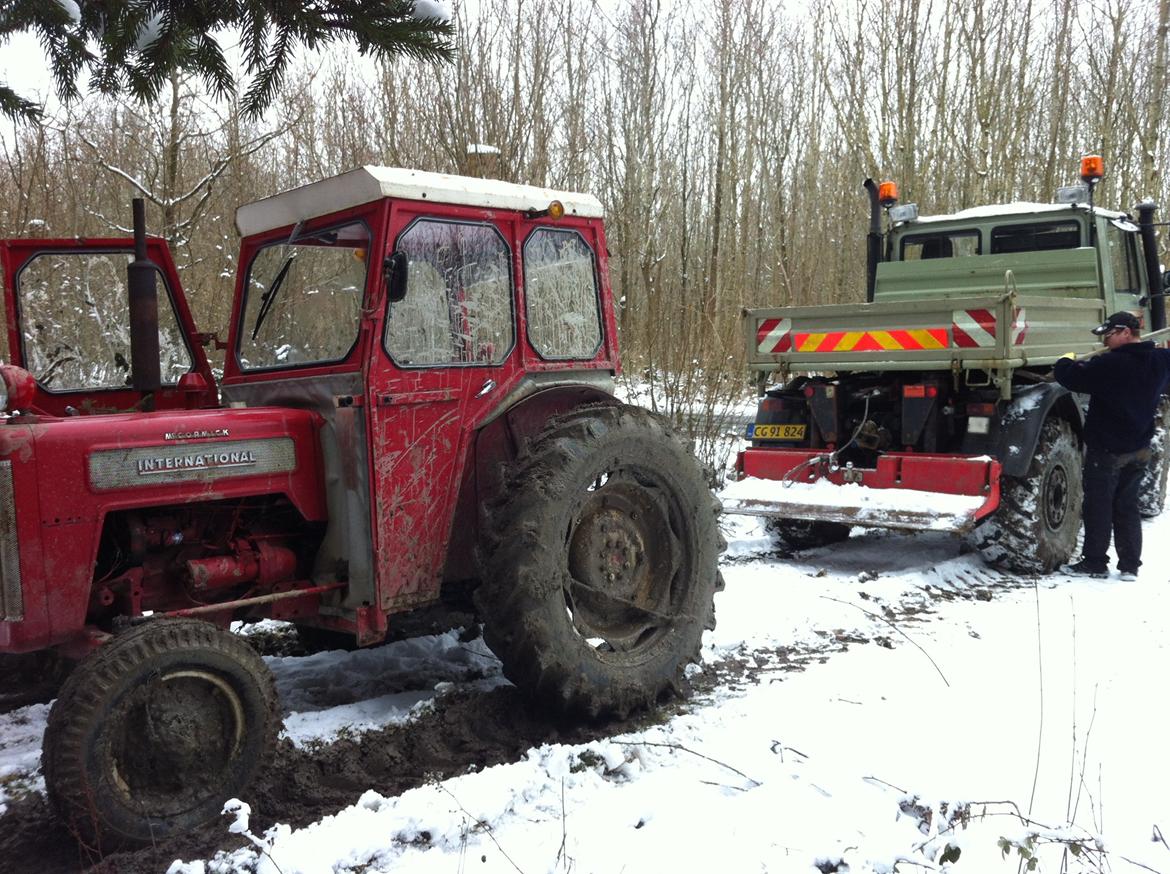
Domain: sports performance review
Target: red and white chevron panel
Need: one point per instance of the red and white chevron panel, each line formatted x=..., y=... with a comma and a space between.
x=973, y=329
x=1019, y=327
x=976, y=329
x=774, y=335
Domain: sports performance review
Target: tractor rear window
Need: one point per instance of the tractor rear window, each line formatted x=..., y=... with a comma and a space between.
x=304, y=298
x=560, y=286
x=957, y=244
x=1008, y=239
x=458, y=305
x=76, y=326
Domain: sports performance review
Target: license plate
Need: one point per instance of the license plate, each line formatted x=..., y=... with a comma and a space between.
x=777, y=432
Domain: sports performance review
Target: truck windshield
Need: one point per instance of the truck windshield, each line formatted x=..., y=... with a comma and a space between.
x=303, y=298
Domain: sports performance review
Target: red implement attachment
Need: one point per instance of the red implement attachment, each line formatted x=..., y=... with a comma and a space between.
x=904, y=490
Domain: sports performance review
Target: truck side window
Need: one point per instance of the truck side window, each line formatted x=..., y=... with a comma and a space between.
x=1042, y=237
x=560, y=287
x=77, y=326
x=458, y=305
x=304, y=298
x=957, y=244
x=1123, y=259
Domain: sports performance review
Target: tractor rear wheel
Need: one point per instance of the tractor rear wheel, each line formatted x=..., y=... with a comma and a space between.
x=601, y=563
x=156, y=730
x=1035, y=528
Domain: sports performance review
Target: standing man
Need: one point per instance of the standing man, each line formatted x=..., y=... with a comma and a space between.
x=1124, y=386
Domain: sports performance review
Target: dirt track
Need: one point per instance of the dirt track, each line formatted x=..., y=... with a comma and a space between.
x=465, y=730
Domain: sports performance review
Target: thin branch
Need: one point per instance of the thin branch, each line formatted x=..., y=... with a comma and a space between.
x=896, y=628
x=486, y=827
x=646, y=743
x=1040, y=668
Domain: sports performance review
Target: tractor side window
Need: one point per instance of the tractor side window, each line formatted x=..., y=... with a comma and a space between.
x=1009, y=239
x=1123, y=259
x=923, y=247
x=303, y=300
x=560, y=287
x=75, y=322
x=458, y=304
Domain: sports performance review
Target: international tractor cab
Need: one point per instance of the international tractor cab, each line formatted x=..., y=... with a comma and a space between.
x=416, y=414
x=931, y=405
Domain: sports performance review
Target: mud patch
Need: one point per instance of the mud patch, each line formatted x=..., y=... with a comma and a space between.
x=466, y=731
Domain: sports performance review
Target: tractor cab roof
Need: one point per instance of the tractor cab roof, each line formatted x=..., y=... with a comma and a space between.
x=367, y=184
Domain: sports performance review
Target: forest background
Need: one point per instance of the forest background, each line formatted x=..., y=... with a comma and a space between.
x=728, y=141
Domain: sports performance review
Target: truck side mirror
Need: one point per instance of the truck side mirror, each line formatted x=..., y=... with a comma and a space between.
x=394, y=272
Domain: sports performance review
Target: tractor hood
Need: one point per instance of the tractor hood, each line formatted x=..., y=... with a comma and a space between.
x=141, y=459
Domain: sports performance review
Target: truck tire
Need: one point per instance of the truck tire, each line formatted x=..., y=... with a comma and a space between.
x=1152, y=499
x=807, y=533
x=1035, y=528
x=156, y=730
x=601, y=563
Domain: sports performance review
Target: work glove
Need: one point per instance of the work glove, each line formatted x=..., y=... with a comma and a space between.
x=1069, y=355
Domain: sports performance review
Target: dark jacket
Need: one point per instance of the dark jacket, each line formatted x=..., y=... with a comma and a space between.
x=1124, y=386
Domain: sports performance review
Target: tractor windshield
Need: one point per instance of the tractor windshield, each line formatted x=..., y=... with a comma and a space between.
x=304, y=297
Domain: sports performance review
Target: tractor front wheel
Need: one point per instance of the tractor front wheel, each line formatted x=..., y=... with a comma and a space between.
x=156, y=730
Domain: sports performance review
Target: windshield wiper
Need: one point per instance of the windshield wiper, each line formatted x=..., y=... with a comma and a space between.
x=270, y=295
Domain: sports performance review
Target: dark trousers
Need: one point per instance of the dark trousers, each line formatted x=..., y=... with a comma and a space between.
x=1112, y=484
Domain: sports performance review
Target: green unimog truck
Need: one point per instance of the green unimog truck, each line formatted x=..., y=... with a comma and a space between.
x=931, y=405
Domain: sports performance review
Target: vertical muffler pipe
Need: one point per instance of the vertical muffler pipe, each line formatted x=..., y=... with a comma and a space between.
x=145, y=375
x=873, y=240
x=1146, y=212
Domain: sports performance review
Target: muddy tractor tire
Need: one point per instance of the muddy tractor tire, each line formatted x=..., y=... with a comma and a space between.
x=1152, y=498
x=806, y=533
x=156, y=730
x=1035, y=528
x=601, y=563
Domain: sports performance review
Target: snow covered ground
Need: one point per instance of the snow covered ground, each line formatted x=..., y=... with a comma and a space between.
x=943, y=714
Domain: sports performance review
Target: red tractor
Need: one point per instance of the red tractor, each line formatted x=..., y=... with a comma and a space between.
x=416, y=407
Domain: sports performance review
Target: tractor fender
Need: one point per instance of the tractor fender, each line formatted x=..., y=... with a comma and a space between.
x=496, y=445
x=1023, y=418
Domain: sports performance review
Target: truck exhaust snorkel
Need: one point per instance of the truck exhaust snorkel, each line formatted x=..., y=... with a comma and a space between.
x=873, y=240
x=1146, y=211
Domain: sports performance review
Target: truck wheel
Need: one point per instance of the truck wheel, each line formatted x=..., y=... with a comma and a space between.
x=601, y=566
x=807, y=533
x=156, y=730
x=1035, y=528
x=1152, y=499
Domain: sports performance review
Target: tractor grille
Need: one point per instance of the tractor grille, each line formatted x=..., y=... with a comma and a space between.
x=11, y=599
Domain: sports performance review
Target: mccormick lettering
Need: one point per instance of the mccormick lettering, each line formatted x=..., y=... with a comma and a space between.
x=195, y=435
x=196, y=461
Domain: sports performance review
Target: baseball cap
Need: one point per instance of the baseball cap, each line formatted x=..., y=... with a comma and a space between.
x=1122, y=319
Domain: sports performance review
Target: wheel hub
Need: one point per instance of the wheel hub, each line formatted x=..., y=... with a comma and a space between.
x=1056, y=495
x=175, y=737
x=618, y=550
x=623, y=557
